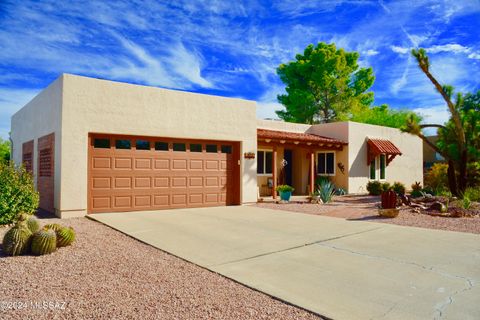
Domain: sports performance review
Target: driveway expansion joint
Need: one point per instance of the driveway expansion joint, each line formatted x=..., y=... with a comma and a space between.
x=439, y=308
x=294, y=247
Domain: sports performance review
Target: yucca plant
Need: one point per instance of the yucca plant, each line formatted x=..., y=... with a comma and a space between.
x=325, y=191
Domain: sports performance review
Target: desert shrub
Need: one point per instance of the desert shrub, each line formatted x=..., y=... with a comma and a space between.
x=386, y=186
x=326, y=190
x=436, y=178
x=416, y=189
x=17, y=193
x=374, y=188
x=285, y=188
x=398, y=187
x=473, y=177
x=472, y=194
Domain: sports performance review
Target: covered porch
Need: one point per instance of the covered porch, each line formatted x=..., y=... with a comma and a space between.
x=296, y=159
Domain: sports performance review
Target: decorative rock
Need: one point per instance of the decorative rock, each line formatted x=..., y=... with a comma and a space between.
x=438, y=206
x=388, y=213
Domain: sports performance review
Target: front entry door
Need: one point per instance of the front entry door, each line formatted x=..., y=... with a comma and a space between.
x=288, y=168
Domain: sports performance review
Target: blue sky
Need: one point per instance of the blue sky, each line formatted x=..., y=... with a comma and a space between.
x=232, y=48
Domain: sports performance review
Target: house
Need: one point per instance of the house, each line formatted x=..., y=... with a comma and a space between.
x=430, y=156
x=101, y=146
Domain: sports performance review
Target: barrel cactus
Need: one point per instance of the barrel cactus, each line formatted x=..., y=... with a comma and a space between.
x=44, y=242
x=65, y=236
x=32, y=224
x=53, y=226
x=17, y=240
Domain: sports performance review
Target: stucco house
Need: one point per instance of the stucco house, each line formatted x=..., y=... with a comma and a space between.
x=102, y=146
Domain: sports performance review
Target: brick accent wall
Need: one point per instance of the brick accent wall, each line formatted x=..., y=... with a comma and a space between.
x=45, y=171
x=27, y=155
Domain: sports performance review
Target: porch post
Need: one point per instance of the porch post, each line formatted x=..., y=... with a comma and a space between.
x=312, y=172
x=274, y=173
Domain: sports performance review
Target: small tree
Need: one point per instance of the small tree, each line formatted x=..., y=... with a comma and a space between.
x=382, y=115
x=323, y=84
x=4, y=150
x=17, y=193
x=457, y=185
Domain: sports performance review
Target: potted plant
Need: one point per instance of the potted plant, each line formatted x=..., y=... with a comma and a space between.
x=285, y=191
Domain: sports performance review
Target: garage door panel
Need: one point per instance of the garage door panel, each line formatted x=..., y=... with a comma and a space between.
x=143, y=182
x=123, y=163
x=161, y=182
x=123, y=182
x=101, y=163
x=179, y=164
x=143, y=164
x=101, y=183
x=161, y=164
x=130, y=179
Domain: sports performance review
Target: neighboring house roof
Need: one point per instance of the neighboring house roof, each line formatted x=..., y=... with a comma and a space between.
x=377, y=147
x=296, y=137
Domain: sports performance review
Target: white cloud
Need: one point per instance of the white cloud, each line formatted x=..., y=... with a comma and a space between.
x=371, y=52
x=400, y=50
x=474, y=55
x=188, y=65
x=11, y=100
x=433, y=115
x=452, y=47
x=398, y=84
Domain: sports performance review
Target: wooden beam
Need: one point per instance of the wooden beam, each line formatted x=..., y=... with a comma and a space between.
x=312, y=172
x=274, y=173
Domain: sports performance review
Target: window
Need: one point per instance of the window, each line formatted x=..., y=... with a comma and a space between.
x=143, y=145
x=161, y=146
x=264, y=162
x=195, y=147
x=326, y=163
x=212, y=148
x=373, y=170
x=123, y=144
x=382, y=166
x=101, y=143
x=179, y=147
x=226, y=149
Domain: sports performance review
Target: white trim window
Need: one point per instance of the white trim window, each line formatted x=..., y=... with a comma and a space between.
x=326, y=163
x=378, y=164
x=264, y=162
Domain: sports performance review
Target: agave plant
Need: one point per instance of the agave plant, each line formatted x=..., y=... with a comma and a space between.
x=326, y=190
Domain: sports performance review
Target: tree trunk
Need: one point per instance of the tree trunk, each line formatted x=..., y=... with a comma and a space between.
x=452, y=178
x=462, y=179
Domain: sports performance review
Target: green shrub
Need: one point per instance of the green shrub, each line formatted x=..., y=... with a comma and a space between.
x=326, y=190
x=399, y=188
x=284, y=188
x=473, y=177
x=340, y=192
x=319, y=180
x=17, y=193
x=386, y=186
x=472, y=193
x=374, y=188
x=436, y=178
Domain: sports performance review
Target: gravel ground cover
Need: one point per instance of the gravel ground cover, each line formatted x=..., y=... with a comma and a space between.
x=364, y=208
x=107, y=275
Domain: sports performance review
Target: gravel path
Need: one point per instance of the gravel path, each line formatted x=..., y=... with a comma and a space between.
x=364, y=208
x=107, y=275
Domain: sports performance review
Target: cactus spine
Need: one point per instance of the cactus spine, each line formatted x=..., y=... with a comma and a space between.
x=17, y=240
x=65, y=237
x=32, y=224
x=44, y=242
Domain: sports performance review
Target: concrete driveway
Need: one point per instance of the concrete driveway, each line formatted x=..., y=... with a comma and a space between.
x=336, y=268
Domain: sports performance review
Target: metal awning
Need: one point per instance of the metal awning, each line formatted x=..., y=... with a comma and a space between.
x=377, y=147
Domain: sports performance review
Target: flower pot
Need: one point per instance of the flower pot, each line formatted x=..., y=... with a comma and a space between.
x=285, y=195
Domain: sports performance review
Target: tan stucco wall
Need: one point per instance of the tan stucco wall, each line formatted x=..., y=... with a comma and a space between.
x=282, y=126
x=99, y=106
x=407, y=168
x=40, y=117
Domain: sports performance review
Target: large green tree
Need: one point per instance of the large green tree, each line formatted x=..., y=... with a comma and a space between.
x=382, y=115
x=453, y=143
x=4, y=150
x=323, y=84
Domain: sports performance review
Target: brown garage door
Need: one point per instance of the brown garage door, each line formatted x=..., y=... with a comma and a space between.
x=128, y=173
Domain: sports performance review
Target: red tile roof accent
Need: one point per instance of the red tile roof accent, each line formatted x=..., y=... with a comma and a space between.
x=377, y=147
x=295, y=136
x=383, y=146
